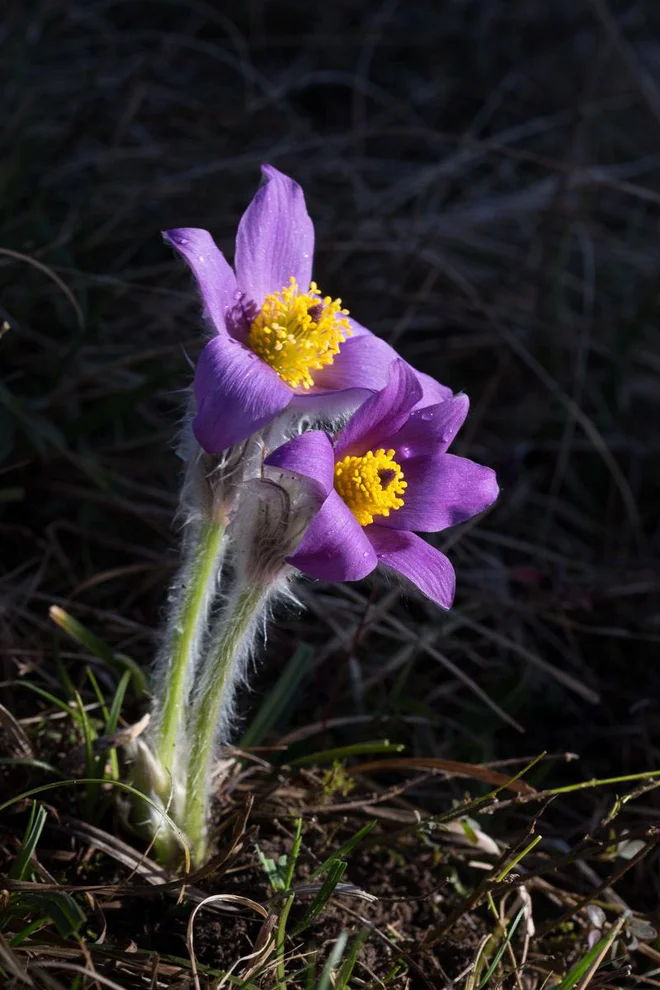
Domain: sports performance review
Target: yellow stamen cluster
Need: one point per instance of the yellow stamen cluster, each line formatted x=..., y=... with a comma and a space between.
x=297, y=333
x=370, y=485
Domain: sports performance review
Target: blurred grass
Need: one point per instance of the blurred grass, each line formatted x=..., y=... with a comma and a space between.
x=484, y=176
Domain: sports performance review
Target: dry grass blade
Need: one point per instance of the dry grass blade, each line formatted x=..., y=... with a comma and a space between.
x=559, y=675
x=116, y=849
x=19, y=744
x=473, y=972
x=12, y=964
x=579, y=977
x=454, y=668
x=19, y=256
x=264, y=945
x=233, y=899
x=530, y=928
x=453, y=767
x=473, y=837
x=158, y=879
x=496, y=875
x=473, y=686
x=644, y=80
x=93, y=975
x=594, y=895
x=587, y=424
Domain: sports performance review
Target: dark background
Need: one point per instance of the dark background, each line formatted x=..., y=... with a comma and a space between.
x=485, y=182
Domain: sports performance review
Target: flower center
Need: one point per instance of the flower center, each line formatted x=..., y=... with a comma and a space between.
x=297, y=333
x=370, y=485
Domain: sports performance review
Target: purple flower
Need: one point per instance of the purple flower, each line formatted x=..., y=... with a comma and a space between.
x=386, y=474
x=278, y=341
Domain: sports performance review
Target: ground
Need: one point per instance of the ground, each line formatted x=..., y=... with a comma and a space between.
x=485, y=181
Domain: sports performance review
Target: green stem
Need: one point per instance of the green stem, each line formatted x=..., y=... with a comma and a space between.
x=214, y=699
x=280, y=940
x=186, y=630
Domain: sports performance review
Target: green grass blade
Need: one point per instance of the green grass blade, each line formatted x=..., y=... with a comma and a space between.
x=602, y=782
x=343, y=850
x=335, y=873
x=117, y=702
x=469, y=807
x=96, y=646
x=24, y=933
x=65, y=913
x=521, y=855
x=281, y=938
x=325, y=980
x=581, y=968
x=122, y=786
x=64, y=677
x=357, y=749
x=295, y=850
x=100, y=697
x=51, y=698
x=91, y=762
x=310, y=975
x=280, y=698
x=113, y=719
x=501, y=950
x=33, y=830
x=348, y=965
x=275, y=871
x=25, y=761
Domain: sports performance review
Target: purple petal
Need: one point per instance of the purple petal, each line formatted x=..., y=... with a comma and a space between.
x=431, y=430
x=416, y=560
x=442, y=492
x=432, y=391
x=237, y=393
x=362, y=362
x=382, y=415
x=310, y=455
x=215, y=278
x=275, y=239
x=334, y=547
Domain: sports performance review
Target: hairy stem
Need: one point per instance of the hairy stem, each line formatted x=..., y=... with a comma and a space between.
x=187, y=625
x=214, y=702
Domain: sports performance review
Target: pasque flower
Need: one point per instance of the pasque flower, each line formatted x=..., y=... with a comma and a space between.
x=278, y=341
x=382, y=477
x=278, y=495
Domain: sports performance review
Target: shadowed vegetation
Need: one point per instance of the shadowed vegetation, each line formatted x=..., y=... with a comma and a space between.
x=484, y=177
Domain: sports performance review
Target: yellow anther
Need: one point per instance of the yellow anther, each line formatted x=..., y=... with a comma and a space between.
x=297, y=333
x=370, y=485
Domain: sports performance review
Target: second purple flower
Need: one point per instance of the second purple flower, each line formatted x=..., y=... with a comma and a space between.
x=386, y=475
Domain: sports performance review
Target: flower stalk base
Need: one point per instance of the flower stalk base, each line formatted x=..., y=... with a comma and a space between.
x=180, y=658
x=213, y=704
